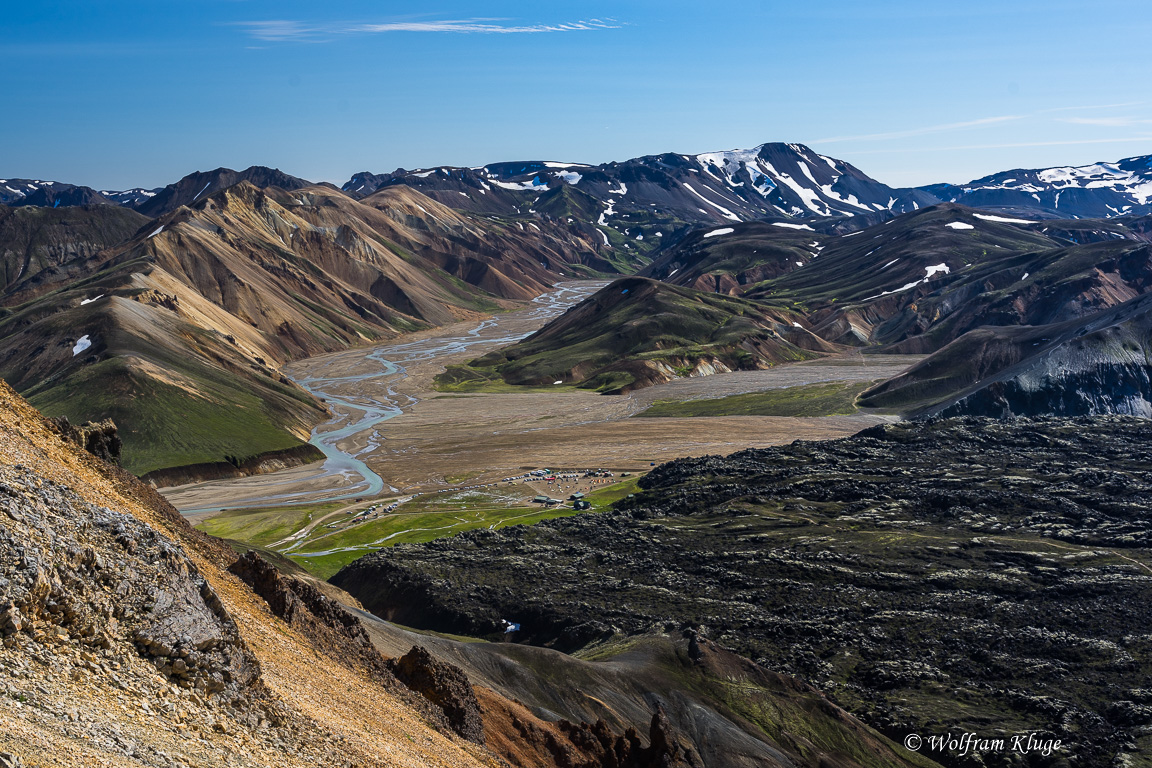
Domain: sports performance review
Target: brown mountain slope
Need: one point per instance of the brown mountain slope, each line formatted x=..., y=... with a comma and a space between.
x=726, y=710
x=188, y=322
x=129, y=644
x=507, y=258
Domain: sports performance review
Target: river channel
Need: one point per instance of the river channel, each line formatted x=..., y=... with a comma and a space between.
x=359, y=408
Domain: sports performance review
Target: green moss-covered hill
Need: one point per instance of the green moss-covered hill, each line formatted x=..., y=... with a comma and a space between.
x=636, y=332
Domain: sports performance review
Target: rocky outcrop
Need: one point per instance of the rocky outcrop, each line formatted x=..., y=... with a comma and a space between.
x=100, y=439
x=298, y=602
x=526, y=741
x=444, y=685
x=439, y=691
x=75, y=574
x=609, y=750
x=123, y=641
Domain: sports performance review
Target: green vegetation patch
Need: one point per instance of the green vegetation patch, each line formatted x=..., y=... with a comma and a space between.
x=164, y=425
x=262, y=527
x=836, y=398
x=342, y=538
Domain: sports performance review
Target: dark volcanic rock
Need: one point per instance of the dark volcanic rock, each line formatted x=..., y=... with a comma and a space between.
x=444, y=685
x=100, y=439
x=609, y=750
x=294, y=600
x=963, y=575
x=196, y=185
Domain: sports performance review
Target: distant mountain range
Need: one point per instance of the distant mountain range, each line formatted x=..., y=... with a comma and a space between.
x=960, y=284
x=650, y=194
x=1098, y=191
x=182, y=299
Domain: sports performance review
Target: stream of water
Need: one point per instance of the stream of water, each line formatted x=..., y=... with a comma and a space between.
x=358, y=413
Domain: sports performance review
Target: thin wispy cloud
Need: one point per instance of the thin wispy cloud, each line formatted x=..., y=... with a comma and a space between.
x=1107, y=122
x=277, y=30
x=284, y=30
x=925, y=131
x=1092, y=106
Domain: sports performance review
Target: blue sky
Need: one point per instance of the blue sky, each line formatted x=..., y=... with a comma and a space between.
x=121, y=93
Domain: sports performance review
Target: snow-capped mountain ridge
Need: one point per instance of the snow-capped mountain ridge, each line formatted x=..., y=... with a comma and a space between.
x=1097, y=190
x=768, y=181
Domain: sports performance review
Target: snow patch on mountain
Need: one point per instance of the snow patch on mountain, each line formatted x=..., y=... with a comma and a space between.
x=521, y=186
x=929, y=272
x=609, y=211
x=1002, y=219
x=727, y=213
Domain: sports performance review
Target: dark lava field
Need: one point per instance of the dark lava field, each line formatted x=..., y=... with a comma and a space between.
x=945, y=576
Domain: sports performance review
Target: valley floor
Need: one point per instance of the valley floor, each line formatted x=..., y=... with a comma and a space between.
x=441, y=461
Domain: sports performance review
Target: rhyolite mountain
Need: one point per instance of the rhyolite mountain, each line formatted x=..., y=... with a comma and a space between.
x=150, y=202
x=646, y=197
x=196, y=186
x=769, y=181
x=817, y=255
x=664, y=193
x=178, y=331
